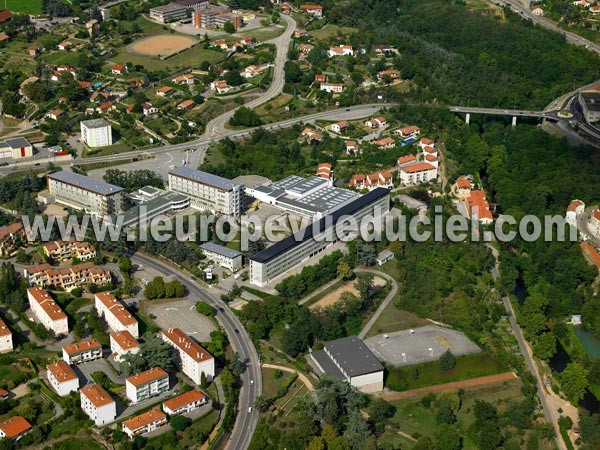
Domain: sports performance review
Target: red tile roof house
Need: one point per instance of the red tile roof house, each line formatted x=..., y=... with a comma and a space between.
x=340, y=126
x=386, y=142
x=411, y=130
x=376, y=122
x=119, y=69
x=14, y=428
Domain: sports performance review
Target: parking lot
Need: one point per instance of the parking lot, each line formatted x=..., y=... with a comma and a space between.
x=424, y=344
x=183, y=315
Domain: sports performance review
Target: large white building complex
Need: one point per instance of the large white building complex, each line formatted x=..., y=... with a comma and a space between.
x=193, y=359
x=169, y=13
x=6, y=342
x=62, y=378
x=293, y=250
x=96, y=133
x=351, y=360
x=47, y=311
x=97, y=404
x=208, y=192
x=80, y=192
x=116, y=316
x=143, y=385
x=312, y=197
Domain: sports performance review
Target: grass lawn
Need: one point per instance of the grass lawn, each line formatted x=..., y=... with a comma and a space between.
x=271, y=384
x=266, y=33
x=329, y=31
x=192, y=57
x=63, y=57
x=119, y=147
x=77, y=444
x=429, y=374
x=396, y=319
x=24, y=6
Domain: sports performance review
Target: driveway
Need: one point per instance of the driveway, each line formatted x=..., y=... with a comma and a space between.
x=181, y=314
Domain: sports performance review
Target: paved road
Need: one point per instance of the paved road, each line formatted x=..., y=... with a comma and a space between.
x=240, y=341
x=524, y=349
x=384, y=303
x=525, y=12
x=583, y=227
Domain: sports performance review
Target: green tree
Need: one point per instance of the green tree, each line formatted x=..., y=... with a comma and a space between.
x=447, y=360
x=574, y=381
x=228, y=27
x=179, y=422
x=545, y=346
x=344, y=271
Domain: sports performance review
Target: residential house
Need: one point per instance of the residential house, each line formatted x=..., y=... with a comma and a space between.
x=122, y=343
x=34, y=50
x=332, y=87
x=63, y=250
x=105, y=107
x=47, y=311
x=221, y=43
x=595, y=9
x=186, y=105
x=312, y=136
x=220, y=86
x=165, y=91
x=409, y=131
x=537, y=11
x=376, y=122
x=340, y=50
x=92, y=27
x=426, y=142
x=119, y=69
x=252, y=71
x=185, y=79
x=391, y=73
x=97, y=404
x=82, y=351
x=5, y=15
x=6, y=341
x=14, y=428
x=148, y=109
x=431, y=159
x=383, y=179
x=478, y=207
x=324, y=170
x=55, y=114
x=313, y=10
x=193, y=359
x=115, y=314
x=285, y=8
x=417, y=174
x=582, y=3
x=340, y=126
x=4, y=38
x=594, y=223
x=62, y=378
x=384, y=49
x=147, y=384
x=575, y=208
x=407, y=160
x=463, y=186
x=11, y=238
x=65, y=45
x=429, y=150
x=144, y=423
x=386, y=142
x=352, y=148
x=68, y=278
x=184, y=403
x=321, y=78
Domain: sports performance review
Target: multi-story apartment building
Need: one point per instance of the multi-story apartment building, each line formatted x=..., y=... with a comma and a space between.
x=121, y=343
x=96, y=133
x=143, y=385
x=62, y=378
x=62, y=250
x=68, y=278
x=97, y=404
x=216, y=18
x=82, y=351
x=184, y=403
x=47, y=311
x=10, y=238
x=192, y=358
x=84, y=193
x=417, y=174
x=169, y=13
x=116, y=316
x=14, y=428
x=274, y=261
x=6, y=341
x=225, y=257
x=144, y=423
x=207, y=191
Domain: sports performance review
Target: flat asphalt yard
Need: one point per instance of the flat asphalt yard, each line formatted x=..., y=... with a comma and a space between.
x=183, y=315
x=419, y=345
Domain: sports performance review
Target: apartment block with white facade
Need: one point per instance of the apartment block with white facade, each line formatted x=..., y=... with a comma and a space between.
x=122, y=343
x=184, y=403
x=144, y=385
x=6, y=341
x=417, y=174
x=225, y=257
x=97, y=404
x=116, y=316
x=96, y=133
x=193, y=359
x=207, y=191
x=84, y=193
x=62, y=378
x=47, y=311
x=82, y=351
x=144, y=423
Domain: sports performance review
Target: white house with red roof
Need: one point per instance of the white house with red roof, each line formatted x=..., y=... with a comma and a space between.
x=575, y=208
x=122, y=343
x=353, y=148
x=340, y=126
x=340, y=50
x=97, y=404
x=324, y=170
x=184, y=403
x=478, y=207
x=595, y=223
x=407, y=160
x=383, y=179
x=385, y=142
x=144, y=423
x=193, y=359
x=417, y=173
x=409, y=131
x=14, y=428
x=426, y=142
x=463, y=186
x=119, y=69
x=376, y=122
x=6, y=341
x=62, y=378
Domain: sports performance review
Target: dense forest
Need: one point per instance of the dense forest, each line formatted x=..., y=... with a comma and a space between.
x=458, y=56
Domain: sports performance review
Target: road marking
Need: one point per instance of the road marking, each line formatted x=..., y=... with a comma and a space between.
x=171, y=309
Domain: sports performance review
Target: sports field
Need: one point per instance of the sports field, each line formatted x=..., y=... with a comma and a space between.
x=161, y=45
x=24, y=6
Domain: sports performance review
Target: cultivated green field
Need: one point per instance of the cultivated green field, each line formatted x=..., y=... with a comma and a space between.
x=24, y=6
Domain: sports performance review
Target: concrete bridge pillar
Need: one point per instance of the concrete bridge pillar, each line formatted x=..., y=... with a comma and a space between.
x=468, y=118
x=514, y=121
